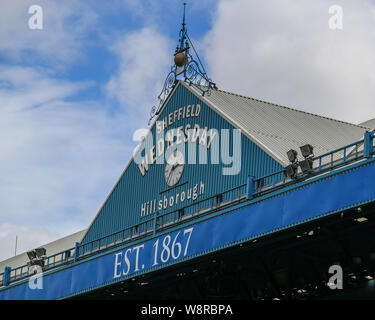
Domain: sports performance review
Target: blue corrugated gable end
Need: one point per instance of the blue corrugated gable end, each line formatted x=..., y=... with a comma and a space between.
x=139, y=193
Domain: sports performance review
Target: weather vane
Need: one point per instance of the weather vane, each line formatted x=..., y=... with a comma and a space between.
x=185, y=67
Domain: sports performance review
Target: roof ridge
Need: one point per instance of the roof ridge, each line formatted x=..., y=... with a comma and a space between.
x=285, y=139
x=289, y=108
x=363, y=122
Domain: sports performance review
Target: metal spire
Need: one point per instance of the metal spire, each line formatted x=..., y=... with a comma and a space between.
x=183, y=30
x=185, y=67
x=183, y=21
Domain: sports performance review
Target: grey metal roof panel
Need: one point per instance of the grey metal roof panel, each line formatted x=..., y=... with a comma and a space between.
x=277, y=129
x=51, y=248
x=370, y=124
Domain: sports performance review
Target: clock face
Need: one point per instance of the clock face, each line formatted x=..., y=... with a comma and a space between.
x=174, y=168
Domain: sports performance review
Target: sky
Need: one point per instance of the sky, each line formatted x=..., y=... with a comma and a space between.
x=73, y=93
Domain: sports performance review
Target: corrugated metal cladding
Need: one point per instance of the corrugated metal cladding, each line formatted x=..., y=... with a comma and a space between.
x=370, y=124
x=278, y=129
x=123, y=206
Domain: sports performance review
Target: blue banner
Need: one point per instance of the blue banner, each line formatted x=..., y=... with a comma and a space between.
x=340, y=191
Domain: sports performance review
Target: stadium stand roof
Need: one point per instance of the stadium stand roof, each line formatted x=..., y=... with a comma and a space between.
x=277, y=129
x=274, y=128
x=370, y=124
x=51, y=248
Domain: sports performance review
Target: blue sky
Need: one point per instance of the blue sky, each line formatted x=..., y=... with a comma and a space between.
x=73, y=94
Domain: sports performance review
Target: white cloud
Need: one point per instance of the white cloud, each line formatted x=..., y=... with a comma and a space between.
x=60, y=156
x=65, y=26
x=23, y=88
x=284, y=52
x=27, y=239
x=59, y=159
x=144, y=57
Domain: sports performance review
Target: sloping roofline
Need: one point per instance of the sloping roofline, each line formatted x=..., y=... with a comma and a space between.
x=222, y=114
x=247, y=132
x=132, y=158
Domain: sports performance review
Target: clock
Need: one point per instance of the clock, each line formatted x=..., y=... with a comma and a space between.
x=174, y=168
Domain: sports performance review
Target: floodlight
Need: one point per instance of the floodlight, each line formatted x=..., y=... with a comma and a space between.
x=32, y=269
x=306, y=165
x=40, y=252
x=307, y=150
x=36, y=257
x=31, y=254
x=291, y=171
x=36, y=262
x=292, y=155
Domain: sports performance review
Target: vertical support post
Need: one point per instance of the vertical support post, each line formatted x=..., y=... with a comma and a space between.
x=180, y=214
x=76, y=252
x=155, y=217
x=368, y=144
x=250, y=187
x=6, y=278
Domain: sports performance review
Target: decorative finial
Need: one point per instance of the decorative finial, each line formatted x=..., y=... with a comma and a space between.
x=179, y=56
x=183, y=20
x=185, y=66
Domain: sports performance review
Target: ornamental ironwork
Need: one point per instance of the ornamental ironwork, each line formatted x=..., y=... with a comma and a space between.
x=187, y=66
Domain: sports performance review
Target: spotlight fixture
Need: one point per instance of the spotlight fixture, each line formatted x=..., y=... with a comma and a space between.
x=306, y=165
x=40, y=252
x=31, y=255
x=36, y=262
x=307, y=150
x=36, y=257
x=308, y=153
x=292, y=155
x=291, y=171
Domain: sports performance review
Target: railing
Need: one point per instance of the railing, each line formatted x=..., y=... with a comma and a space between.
x=147, y=227
x=162, y=221
x=329, y=161
x=19, y=273
x=51, y=262
x=158, y=222
x=202, y=207
x=341, y=156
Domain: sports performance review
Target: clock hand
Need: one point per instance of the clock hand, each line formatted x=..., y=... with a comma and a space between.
x=174, y=167
x=169, y=177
